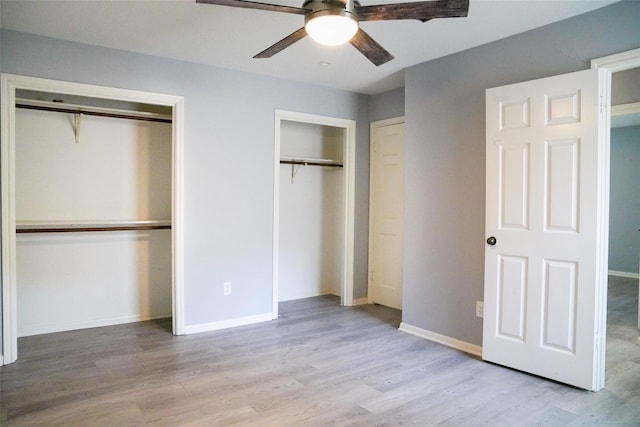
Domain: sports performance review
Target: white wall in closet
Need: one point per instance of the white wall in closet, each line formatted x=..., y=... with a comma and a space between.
x=311, y=212
x=119, y=170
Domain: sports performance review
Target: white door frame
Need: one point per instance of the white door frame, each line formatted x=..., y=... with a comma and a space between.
x=349, y=160
x=372, y=128
x=612, y=63
x=9, y=85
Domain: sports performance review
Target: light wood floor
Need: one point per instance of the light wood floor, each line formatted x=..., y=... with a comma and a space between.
x=318, y=365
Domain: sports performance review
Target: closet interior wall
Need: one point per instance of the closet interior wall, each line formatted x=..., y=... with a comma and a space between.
x=91, y=172
x=311, y=211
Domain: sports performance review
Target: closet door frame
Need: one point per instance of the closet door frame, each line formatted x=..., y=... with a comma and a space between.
x=349, y=158
x=9, y=85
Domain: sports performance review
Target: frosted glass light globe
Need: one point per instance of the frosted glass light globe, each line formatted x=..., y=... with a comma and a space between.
x=331, y=30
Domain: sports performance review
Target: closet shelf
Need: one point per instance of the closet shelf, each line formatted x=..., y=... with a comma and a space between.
x=32, y=104
x=311, y=162
x=90, y=226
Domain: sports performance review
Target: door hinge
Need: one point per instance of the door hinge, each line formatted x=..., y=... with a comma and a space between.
x=603, y=105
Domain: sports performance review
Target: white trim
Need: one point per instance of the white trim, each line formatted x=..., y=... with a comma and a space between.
x=602, y=231
x=361, y=301
x=177, y=213
x=387, y=122
x=275, y=269
x=9, y=84
x=320, y=293
x=372, y=127
x=224, y=324
x=608, y=64
x=7, y=161
x=623, y=109
x=472, y=349
x=619, y=61
x=623, y=115
x=349, y=160
x=74, y=326
x=624, y=274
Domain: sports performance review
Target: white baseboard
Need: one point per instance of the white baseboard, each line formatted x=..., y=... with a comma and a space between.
x=224, y=324
x=320, y=293
x=1, y=360
x=624, y=274
x=358, y=301
x=473, y=349
x=97, y=323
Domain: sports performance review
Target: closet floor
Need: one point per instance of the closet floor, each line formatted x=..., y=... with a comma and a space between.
x=319, y=364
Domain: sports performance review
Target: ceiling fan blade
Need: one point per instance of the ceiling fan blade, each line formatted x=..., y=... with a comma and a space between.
x=255, y=5
x=282, y=44
x=422, y=10
x=370, y=48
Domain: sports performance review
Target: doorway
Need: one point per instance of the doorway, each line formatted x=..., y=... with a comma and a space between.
x=624, y=239
x=621, y=62
x=591, y=374
x=623, y=314
x=346, y=128
x=11, y=84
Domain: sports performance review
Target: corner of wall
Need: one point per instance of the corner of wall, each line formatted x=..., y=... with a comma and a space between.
x=472, y=349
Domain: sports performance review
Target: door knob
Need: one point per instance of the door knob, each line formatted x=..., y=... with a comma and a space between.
x=491, y=241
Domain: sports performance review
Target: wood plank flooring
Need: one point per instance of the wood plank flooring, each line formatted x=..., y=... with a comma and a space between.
x=318, y=365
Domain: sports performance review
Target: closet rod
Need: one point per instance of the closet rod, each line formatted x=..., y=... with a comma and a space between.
x=92, y=229
x=30, y=104
x=310, y=163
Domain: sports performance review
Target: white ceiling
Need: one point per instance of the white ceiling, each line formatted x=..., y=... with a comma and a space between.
x=228, y=37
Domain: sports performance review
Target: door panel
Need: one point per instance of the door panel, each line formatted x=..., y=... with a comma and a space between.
x=545, y=178
x=562, y=158
x=512, y=297
x=559, y=305
x=514, y=171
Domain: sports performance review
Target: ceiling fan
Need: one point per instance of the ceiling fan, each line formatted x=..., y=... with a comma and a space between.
x=333, y=22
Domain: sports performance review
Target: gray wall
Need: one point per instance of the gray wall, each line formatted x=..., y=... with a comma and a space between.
x=624, y=214
x=445, y=156
x=228, y=154
x=387, y=105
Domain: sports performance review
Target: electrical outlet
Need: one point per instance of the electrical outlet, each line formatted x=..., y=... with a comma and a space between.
x=226, y=288
x=479, y=309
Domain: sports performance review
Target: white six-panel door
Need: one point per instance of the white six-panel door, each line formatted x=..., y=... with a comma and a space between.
x=387, y=216
x=543, y=272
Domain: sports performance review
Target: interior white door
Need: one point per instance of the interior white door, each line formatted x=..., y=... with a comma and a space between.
x=546, y=257
x=387, y=201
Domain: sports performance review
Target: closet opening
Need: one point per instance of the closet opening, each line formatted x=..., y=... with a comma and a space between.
x=91, y=178
x=313, y=207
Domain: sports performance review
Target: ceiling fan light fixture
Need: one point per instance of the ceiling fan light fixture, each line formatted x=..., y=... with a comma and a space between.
x=331, y=29
x=334, y=22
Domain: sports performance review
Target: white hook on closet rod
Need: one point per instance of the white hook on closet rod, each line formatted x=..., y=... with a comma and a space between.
x=294, y=170
x=76, y=126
